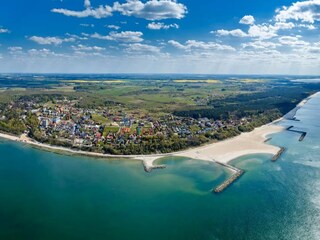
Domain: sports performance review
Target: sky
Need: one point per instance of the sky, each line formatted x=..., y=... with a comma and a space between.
x=160, y=36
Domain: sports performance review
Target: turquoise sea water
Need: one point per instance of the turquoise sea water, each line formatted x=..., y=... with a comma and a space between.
x=49, y=196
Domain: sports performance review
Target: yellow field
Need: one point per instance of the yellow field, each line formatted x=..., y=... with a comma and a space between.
x=61, y=89
x=197, y=81
x=12, y=89
x=252, y=80
x=93, y=81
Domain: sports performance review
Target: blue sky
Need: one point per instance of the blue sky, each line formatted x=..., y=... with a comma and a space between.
x=160, y=36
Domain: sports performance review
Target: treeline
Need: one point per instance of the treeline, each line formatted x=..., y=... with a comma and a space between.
x=155, y=144
x=247, y=105
x=14, y=126
x=91, y=87
x=27, y=83
x=12, y=122
x=42, y=98
x=256, y=121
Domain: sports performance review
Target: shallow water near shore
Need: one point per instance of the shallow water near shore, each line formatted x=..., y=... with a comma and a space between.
x=50, y=196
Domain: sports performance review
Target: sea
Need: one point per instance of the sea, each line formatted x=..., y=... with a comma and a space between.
x=45, y=195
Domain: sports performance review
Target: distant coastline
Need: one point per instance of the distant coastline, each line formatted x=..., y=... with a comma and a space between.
x=222, y=152
x=291, y=115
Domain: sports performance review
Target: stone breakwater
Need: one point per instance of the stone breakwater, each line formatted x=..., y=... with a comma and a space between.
x=303, y=134
x=239, y=172
x=229, y=181
x=149, y=169
x=278, y=154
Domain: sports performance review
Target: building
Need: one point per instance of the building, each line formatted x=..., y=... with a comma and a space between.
x=56, y=120
x=125, y=130
x=138, y=130
x=45, y=123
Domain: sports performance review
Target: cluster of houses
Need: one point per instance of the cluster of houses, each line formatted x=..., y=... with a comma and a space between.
x=77, y=126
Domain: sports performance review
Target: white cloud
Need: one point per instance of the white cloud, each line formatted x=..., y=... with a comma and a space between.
x=43, y=53
x=15, y=49
x=292, y=41
x=4, y=30
x=51, y=40
x=87, y=3
x=272, y=46
x=115, y=27
x=307, y=26
x=99, y=12
x=160, y=25
x=207, y=45
x=193, y=44
x=86, y=54
x=86, y=25
x=125, y=36
x=259, y=45
x=266, y=31
x=150, y=10
x=81, y=47
x=305, y=11
x=235, y=33
x=248, y=20
x=313, y=49
x=283, y=26
x=142, y=48
x=73, y=36
x=262, y=31
x=176, y=44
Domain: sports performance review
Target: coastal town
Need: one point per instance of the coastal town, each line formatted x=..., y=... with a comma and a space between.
x=61, y=122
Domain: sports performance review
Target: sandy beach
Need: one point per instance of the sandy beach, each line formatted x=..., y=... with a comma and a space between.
x=221, y=152
x=244, y=144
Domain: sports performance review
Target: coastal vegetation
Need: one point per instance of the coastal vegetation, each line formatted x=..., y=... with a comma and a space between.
x=142, y=116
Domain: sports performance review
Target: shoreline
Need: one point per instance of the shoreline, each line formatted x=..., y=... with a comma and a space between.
x=204, y=153
x=292, y=114
x=222, y=152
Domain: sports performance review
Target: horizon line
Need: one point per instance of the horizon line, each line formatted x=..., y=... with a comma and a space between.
x=117, y=73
